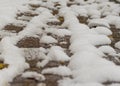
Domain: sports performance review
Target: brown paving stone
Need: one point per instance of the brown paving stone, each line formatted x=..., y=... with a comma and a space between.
x=82, y=19
x=56, y=4
x=61, y=41
x=32, y=64
x=52, y=80
x=53, y=23
x=115, y=35
x=14, y=28
x=55, y=12
x=116, y=38
x=71, y=0
x=68, y=52
x=70, y=4
x=19, y=81
x=29, y=42
x=27, y=14
x=110, y=82
x=115, y=60
x=34, y=5
x=45, y=45
x=52, y=64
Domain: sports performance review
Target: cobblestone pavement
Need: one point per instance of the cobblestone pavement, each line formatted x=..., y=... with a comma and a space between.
x=31, y=44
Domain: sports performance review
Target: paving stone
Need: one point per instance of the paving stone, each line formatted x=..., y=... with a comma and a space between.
x=29, y=42
x=13, y=28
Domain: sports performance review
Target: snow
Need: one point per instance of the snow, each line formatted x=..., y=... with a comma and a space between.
x=35, y=75
x=86, y=63
x=118, y=0
x=48, y=39
x=62, y=32
x=63, y=71
x=34, y=53
x=98, y=22
x=113, y=20
x=41, y=84
x=102, y=39
x=114, y=85
x=59, y=32
x=6, y=33
x=87, y=58
x=41, y=49
x=107, y=50
x=12, y=56
x=89, y=43
x=36, y=2
x=96, y=74
x=8, y=10
x=69, y=82
x=84, y=47
x=43, y=63
x=56, y=53
x=117, y=45
x=94, y=13
x=79, y=10
x=103, y=30
x=38, y=22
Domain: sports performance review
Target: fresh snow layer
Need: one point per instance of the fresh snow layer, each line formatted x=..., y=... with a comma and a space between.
x=56, y=53
x=117, y=45
x=43, y=63
x=98, y=22
x=70, y=82
x=63, y=71
x=114, y=20
x=79, y=10
x=12, y=55
x=59, y=32
x=48, y=39
x=107, y=50
x=87, y=65
x=41, y=84
x=103, y=30
x=85, y=59
x=34, y=53
x=8, y=10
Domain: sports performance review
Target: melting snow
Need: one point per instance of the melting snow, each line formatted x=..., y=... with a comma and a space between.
x=117, y=45
x=88, y=43
x=63, y=71
x=57, y=53
x=34, y=75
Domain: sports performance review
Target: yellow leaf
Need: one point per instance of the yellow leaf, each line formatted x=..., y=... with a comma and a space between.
x=62, y=62
x=61, y=19
x=111, y=37
x=3, y=65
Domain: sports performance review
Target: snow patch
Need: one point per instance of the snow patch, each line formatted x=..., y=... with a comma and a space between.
x=63, y=71
x=117, y=45
x=34, y=75
x=48, y=39
x=56, y=53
